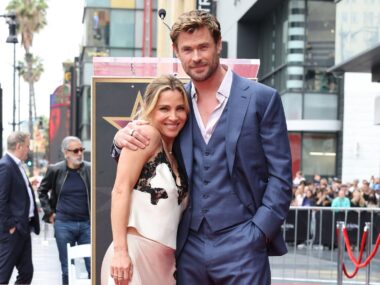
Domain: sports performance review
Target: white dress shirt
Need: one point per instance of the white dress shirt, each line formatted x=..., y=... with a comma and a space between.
x=22, y=170
x=222, y=96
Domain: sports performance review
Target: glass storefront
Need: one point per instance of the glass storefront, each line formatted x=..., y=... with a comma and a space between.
x=318, y=154
x=313, y=153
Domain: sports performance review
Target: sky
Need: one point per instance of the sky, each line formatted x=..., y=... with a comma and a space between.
x=57, y=42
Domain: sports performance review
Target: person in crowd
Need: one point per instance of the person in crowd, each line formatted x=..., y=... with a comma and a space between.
x=298, y=178
x=298, y=195
x=323, y=183
x=335, y=185
x=365, y=189
x=354, y=185
x=65, y=197
x=331, y=195
x=149, y=194
x=317, y=180
x=376, y=184
x=18, y=212
x=357, y=199
x=236, y=154
x=309, y=199
x=321, y=198
x=341, y=201
x=373, y=201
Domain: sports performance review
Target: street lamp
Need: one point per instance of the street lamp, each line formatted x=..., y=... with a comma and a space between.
x=12, y=38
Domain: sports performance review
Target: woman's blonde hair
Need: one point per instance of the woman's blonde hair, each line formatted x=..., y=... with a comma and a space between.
x=154, y=90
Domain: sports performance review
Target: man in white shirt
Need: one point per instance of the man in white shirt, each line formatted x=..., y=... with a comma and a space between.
x=18, y=212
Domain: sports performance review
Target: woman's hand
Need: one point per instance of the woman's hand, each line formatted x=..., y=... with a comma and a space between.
x=121, y=267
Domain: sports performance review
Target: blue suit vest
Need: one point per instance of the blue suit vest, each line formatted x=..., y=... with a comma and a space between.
x=213, y=196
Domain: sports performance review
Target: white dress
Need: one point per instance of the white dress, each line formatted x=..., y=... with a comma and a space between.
x=156, y=207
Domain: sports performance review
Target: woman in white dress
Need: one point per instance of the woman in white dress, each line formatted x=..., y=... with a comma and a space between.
x=149, y=194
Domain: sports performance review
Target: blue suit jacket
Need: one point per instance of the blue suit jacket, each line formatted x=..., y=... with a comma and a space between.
x=14, y=200
x=258, y=158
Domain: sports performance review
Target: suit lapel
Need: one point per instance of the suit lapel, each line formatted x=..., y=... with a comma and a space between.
x=16, y=169
x=237, y=108
x=186, y=138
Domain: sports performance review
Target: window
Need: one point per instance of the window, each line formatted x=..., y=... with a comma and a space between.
x=320, y=47
x=292, y=103
x=97, y=3
x=96, y=27
x=122, y=31
x=320, y=81
x=319, y=154
x=321, y=106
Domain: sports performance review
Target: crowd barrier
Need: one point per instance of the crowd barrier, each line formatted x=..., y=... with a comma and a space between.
x=311, y=237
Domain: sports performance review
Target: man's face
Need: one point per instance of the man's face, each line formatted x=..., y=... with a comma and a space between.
x=23, y=149
x=198, y=53
x=74, y=154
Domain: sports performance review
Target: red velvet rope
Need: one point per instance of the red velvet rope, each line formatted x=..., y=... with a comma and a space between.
x=354, y=261
x=362, y=246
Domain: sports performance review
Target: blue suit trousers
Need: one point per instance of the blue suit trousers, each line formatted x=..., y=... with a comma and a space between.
x=235, y=255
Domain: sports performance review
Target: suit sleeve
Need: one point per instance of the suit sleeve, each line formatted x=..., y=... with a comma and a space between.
x=275, y=143
x=115, y=152
x=43, y=193
x=6, y=220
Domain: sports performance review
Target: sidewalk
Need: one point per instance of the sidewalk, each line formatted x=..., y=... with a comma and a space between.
x=47, y=268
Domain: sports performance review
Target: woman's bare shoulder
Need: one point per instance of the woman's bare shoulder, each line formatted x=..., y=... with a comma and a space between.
x=154, y=136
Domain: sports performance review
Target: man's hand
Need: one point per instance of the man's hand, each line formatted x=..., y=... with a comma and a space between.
x=12, y=230
x=52, y=218
x=132, y=136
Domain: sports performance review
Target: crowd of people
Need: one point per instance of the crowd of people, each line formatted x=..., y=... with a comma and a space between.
x=334, y=193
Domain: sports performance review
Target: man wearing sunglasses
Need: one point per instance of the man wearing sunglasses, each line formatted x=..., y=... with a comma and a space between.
x=68, y=205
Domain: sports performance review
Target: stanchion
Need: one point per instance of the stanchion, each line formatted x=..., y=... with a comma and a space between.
x=368, y=251
x=343, y=234
x=339, y=226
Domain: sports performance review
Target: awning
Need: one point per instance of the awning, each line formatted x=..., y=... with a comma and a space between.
x=367, y=61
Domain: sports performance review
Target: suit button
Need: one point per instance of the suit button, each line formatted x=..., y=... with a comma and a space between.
x=204, y=211
x=206, y=167
x=207, y=153
x=205, y=182
x=205, y=196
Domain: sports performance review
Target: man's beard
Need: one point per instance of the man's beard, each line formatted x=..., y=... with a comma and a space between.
x=77, y=161
x=211, y=68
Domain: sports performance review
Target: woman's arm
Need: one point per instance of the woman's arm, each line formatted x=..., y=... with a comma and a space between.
x=128, y=171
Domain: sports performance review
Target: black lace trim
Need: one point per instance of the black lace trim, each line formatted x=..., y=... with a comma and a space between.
x=149, y=171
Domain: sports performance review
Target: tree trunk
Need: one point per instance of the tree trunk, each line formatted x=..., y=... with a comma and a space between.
x=28, y=59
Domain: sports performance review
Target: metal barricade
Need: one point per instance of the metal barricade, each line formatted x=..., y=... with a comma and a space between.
x=311, y=237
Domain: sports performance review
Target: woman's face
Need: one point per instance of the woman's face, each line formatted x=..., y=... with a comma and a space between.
x=356, y=195
x=169, y=115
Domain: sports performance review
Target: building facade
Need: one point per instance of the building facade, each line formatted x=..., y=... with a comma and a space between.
x=113, y=28
x=357, y=61
x=295, y=42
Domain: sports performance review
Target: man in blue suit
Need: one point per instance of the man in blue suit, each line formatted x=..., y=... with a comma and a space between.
x=18, y=212
x=235, y=151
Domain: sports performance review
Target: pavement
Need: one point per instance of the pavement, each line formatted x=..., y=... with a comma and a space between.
x=47, y=268
x=286, y=270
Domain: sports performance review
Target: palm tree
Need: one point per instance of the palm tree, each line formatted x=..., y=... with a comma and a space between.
x=31, y=18
x=31, y=75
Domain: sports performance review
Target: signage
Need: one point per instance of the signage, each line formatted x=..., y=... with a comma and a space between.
x=207, y=5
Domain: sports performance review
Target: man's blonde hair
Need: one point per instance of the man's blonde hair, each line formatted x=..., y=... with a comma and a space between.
x=190, y=21
x=16, y=138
